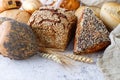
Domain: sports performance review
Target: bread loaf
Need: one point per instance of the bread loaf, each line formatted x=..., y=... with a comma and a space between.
x=91, y=34
x=17, y=40
x=53, y=27
x=19, y=15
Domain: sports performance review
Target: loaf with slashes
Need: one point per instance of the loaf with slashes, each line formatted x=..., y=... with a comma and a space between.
x=53, y=27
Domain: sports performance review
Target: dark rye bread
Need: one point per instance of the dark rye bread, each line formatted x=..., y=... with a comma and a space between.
x=17, y=40
x=53, y=27
x=91, y=34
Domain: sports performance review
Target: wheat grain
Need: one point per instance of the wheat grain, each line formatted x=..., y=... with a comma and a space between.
x=51, y=56
x=79, y=58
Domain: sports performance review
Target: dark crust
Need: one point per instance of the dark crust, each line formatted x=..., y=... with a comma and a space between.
x=21, y=42
x=92, y=34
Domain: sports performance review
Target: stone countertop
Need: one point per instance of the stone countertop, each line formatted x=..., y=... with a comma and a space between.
x=37, y=68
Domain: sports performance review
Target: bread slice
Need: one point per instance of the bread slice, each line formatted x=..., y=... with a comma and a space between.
x=91, y=33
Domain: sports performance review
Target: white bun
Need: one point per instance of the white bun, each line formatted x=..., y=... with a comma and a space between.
x=110, y=14
x=31, y=5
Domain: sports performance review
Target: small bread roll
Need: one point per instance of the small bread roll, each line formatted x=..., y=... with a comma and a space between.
x=96, y=10
x=70, y=4
x=31, y=5
x=110, y=14
x=9, y=4
x=67, y=4
x=19, y=15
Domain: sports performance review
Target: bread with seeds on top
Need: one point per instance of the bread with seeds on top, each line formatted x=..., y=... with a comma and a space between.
x=53, y=27
x=91, y=34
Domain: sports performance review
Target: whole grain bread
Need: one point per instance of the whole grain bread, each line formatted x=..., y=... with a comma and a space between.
x=53, y=27
x=91, y=34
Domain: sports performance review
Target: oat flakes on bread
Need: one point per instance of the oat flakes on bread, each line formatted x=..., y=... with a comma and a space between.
x=91, y=33
x=17, y=40
x=53, y=27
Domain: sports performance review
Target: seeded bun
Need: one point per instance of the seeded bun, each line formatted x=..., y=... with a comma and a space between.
x=91, y=33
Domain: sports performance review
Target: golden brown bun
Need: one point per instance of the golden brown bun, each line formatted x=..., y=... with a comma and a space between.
x=9, y=4
x=110, y=14
x=91, y=33
x=70, y=4
x=19, y=15
x=67, y=4
x=53, y=27
x=96, y=10
x=31, y=5
x=17, y=40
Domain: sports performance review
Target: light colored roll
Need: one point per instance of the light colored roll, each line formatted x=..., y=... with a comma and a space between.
x=96, y=11
x=31, y=5
x=110, y=14
x=19, y=15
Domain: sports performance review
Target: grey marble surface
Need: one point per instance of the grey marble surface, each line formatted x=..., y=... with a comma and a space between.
x=37, y=68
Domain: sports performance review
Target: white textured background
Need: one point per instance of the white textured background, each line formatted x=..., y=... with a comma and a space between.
x=37, y=68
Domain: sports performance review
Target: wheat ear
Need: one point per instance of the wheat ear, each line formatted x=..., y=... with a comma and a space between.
x=58, y=58
x=79, y=58
x=51, y=56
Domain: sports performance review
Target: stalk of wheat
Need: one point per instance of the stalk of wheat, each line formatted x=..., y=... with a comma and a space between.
x=79, y=58
x=64, y=59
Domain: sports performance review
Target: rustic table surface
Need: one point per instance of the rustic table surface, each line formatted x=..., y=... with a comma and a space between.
x=37, y=68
